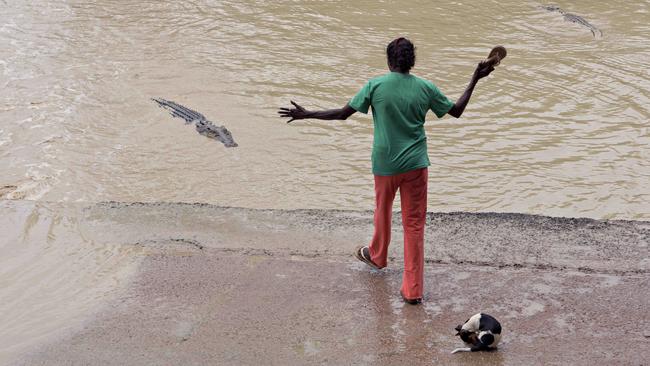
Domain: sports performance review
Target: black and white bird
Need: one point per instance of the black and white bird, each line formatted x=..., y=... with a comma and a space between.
x=481, y=332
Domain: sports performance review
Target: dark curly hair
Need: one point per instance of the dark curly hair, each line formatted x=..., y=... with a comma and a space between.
x=401, y=54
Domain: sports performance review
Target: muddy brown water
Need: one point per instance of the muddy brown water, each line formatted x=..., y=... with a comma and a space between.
x=559, y=129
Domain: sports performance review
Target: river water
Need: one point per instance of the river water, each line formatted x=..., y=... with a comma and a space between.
x=560, y=128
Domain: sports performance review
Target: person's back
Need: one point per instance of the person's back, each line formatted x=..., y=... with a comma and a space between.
x=400, y=102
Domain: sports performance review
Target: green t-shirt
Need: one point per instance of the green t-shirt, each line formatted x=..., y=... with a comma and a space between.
x=399, y=103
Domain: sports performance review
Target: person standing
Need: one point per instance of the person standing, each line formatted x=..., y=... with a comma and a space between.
x=400, y=102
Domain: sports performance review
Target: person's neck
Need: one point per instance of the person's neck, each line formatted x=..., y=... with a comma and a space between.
x=399, y=71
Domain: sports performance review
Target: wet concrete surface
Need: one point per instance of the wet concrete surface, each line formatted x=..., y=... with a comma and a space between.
x=209, y=307
x=232, y=286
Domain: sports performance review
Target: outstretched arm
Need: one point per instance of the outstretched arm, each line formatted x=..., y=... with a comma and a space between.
x=301, y=113
x=482, y=70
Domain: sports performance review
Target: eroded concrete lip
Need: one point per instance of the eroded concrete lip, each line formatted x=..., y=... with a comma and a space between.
x=481, y=239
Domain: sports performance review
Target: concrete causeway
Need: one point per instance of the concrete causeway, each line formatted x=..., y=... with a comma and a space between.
x=232, y=286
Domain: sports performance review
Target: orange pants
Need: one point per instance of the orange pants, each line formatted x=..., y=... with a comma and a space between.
x=413, y=193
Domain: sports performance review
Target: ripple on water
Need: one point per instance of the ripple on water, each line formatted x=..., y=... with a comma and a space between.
x=563, y=113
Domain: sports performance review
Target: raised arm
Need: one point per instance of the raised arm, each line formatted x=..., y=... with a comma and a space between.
x=301, y=113
x=482, y=70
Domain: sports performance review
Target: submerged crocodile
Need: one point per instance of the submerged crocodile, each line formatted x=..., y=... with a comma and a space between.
x=575, y=19
x=203, y=126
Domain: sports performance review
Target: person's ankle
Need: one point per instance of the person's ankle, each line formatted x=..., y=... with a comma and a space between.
x=411, y=301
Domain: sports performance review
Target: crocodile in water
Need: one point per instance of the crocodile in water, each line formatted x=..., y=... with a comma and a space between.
x=575, y=19
x=203, y=126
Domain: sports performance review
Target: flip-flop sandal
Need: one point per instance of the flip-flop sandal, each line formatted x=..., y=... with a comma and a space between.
x=497, y=54
x=363, y=254
x=410, y=301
